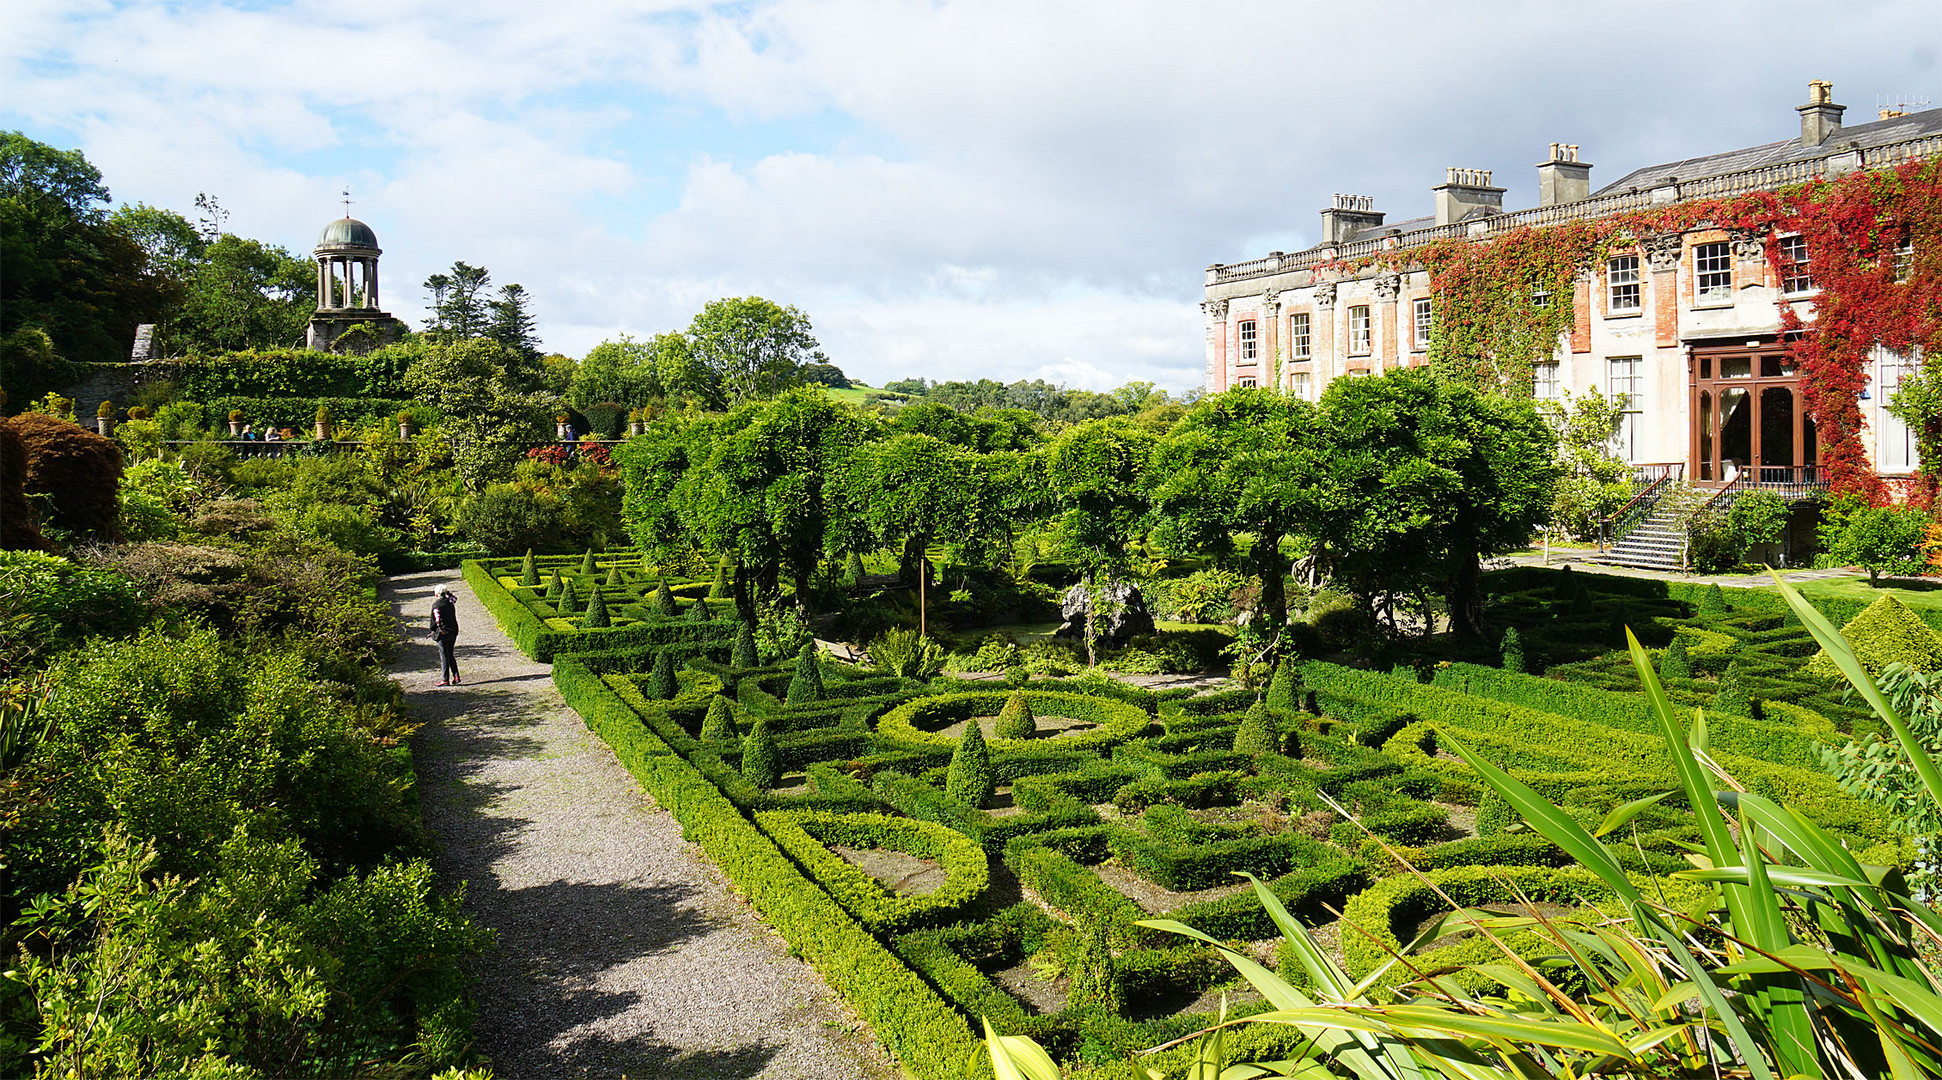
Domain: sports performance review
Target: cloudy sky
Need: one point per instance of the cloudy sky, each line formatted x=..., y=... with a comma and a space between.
x=988, y=188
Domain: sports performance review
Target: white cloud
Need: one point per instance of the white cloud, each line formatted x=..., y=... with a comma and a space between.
x=958, y=188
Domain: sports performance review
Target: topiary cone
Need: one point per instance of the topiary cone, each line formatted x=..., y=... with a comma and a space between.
x=853, y=572
x=721, y=589
x=970, y=779
x=597, y=612
x=1015, y=720
x=1713, y=602
x=1730, y=694
x=720, y=723
x=529, y=570
x=744, y=655
x=662, y=602
x=553, y=586
x=568, y=602
x=614, y=579
x=661, y=683
x=807, y=684
x=760, y=762
x=586, y=564
x=1257, y=733
x=1283, y=690
x=1676, y=663
x=699, y=612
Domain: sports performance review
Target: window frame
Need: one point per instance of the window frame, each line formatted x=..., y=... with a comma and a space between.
x=1362, y=338
x=1801, y=280
x=1719, y=256
x=1544, y=380
x=1422, y=318
x=1299, y=384
x=1300, y=336
x=1623, y=295
x=1625, y=442
x=1247, y=340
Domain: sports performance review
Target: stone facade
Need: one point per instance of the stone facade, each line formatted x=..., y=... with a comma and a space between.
x=1642, y=325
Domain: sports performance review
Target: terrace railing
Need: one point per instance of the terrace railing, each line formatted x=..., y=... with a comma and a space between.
x=1635, y=511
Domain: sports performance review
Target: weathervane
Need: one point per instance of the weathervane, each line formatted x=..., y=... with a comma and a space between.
x=347, y=202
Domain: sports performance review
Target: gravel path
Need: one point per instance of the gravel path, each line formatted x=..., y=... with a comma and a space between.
x=622, y=951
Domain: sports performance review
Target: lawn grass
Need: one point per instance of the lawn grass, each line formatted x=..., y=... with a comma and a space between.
x=1915, y=593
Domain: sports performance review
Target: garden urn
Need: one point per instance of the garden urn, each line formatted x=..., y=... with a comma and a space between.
x=235, y=429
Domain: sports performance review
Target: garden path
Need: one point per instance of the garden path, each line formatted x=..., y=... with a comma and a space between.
x=621, y=950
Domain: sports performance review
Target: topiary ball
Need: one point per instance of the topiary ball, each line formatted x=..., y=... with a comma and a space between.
x=970, y=779
x=719, y=726
x=807, y=683
x=1015, y=720
x=761, y=765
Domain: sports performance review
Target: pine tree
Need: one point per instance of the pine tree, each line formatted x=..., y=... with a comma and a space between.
x=553, y=586
x=1015, y=720
x=1514, y=652
x=511, y=323
x=970, y=779
x=807, y=684
x=597, y=612
x=720, y=724
x=1257, y=733
x=853, y=572
x=760, y=762
x=587, y=565
x=661, y=683
x=529, y=571
x=1676, y=664
x=723, y=588
x=568, y=602
x=744, y=656
x=1283, y=692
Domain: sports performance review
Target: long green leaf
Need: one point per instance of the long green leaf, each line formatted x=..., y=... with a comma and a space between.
x=1618, y=817
x=1015, y=1057
x=1843, y=656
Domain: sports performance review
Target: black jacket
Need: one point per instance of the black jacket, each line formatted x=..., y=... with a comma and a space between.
x=445, y=617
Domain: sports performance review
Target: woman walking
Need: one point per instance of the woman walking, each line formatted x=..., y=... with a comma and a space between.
x=445, y=627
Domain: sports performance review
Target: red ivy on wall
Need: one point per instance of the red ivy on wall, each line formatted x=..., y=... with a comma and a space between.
x=1874, y=248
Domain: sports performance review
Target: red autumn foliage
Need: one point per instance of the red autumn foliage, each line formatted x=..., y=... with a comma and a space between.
x=79, y=470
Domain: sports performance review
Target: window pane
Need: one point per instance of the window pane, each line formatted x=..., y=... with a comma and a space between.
x=1714, y=265
x=1249, y=345
x=1298, y=334
x=1622, y=274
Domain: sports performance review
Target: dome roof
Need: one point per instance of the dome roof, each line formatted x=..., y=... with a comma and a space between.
x=347, y=232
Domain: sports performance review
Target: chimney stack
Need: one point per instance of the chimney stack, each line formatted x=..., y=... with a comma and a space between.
x=1820, y=118
x=1463, y=191
x=1563, y=179
x=1350, y=215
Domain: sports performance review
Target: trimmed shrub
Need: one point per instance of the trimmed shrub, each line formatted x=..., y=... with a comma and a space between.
x=1257, y=734
x=614, y=578
x=1095, y=983
x=722, y=588
x=661, y=602
x=1885, y=632
x=587, y=565
x=504, y=519
x=807, y=834
x=720, y=724
x=699, y=612
x=569, y=602
x=597, y=612
x=744, y=656
x=77, y=470
x=528, y=571
x=1730, y=693
x=761, y=765
x=553, y=586
x=970, y=779
x=807, y=683
x=1513, y=653
x=853, y=572
x=1713, y=602
x=1015, y=720
x=1284, y=691
x=1675, y=664
x=661, y=683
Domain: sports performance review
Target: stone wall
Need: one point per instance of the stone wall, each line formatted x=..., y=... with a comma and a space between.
x=113, y=382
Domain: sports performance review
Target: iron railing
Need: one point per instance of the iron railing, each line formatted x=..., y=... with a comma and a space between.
x=1615, y=527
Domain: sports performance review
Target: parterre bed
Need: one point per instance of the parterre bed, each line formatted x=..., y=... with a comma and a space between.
x=1144, y=804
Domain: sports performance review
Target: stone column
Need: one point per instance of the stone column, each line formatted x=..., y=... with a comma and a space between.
x=1216, y=340
x=323, y=283
x=374, y=284
x=1662, y=254
x=1388, y=288
x=1271, y=336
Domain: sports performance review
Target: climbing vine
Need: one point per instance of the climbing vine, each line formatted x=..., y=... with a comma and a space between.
x=1873, y=241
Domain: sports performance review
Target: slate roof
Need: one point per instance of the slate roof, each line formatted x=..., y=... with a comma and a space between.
x=1873, y=133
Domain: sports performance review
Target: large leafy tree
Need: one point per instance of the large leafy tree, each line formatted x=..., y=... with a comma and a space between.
x=909, y=490
x=753, y=347
x=1425, y=478
x=65, y=267
x=637, y=373
x=1095, y=474
x=1242, y=462
x=242, y=294
x=491, y=398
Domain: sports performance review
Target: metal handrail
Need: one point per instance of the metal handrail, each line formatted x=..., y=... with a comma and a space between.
x=1619, y=523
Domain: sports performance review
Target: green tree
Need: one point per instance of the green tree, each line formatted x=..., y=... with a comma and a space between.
x=753, y=347
x=1096, y=474
x=970, y=778
x=907, y=491
x=492, y=411
x=1592, y=481
x=242, y=294
x=1426, y=477
x=1239, y=462
x=510, y=322
x=1883, y=540
x=459, y=304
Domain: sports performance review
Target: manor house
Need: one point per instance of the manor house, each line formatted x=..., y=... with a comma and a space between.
x=1684, y=329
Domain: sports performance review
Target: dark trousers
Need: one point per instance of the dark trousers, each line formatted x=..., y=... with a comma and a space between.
x=448, y=665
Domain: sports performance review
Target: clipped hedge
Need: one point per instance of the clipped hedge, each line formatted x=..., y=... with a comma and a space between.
x=805, y=835
x=911, y=723
x=544, y=643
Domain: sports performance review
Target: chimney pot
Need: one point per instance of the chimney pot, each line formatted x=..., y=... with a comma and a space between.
x=1563, y=179
x=1463, y=191
x=1820, y=118
x=1349, y=215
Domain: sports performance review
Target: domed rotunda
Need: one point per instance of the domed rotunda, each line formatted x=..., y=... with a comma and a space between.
x=348, y=318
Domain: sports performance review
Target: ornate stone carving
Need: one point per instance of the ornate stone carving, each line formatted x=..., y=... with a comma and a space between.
x=1270, y=303
x=1325, y=294
x=1215, y=309
x=1749, y=245
x=1662, y=251
x=1388, y=286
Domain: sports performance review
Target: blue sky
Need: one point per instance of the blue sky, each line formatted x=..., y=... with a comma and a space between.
x=996, y=188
